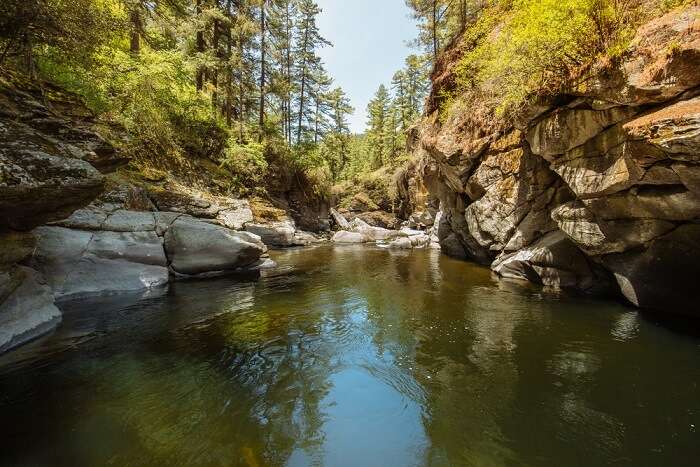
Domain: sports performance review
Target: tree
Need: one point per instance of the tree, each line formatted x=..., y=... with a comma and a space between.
x=308, y=40
x=378, y=118
x=337, y=141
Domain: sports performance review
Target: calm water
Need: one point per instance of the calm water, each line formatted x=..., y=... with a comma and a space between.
x=354, y=357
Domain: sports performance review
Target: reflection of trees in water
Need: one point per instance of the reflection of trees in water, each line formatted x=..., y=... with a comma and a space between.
x=439, y=321
x=222, y=373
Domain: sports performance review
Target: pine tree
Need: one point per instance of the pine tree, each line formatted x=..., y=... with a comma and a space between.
x=308, y=39
x=378, y=117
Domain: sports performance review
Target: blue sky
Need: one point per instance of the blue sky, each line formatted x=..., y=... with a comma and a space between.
x=369, y=38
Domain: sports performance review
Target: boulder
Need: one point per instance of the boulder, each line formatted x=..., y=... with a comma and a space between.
x=274, y=234
x=411, y=242
x=39, y=183
x=28, y=309
x=80, y=263
x=373, y=234
x=403, y=243
x=195, y=248
x=236, y=215
x=302, y=238
x=349, y=237
x=340, y=220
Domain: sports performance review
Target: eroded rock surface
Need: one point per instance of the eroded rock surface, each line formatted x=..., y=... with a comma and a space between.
x=602, y=187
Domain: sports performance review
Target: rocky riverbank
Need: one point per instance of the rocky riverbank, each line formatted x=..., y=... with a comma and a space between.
x=597, y=189
x=70, y=226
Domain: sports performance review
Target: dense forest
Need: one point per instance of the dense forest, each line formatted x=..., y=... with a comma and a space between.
x=238, y=82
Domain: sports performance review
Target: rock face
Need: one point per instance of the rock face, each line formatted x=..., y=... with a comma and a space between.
x=601, y=188
x=50, y=165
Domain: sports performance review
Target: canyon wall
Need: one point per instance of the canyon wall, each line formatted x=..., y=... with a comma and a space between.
x=597, y=189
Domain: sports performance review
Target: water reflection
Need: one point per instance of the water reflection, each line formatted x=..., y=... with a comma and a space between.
x=352, y=356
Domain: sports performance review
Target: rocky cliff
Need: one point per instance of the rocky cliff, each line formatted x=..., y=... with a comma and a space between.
x=595, y=189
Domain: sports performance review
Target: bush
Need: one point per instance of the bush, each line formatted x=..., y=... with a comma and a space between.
x=248, y=165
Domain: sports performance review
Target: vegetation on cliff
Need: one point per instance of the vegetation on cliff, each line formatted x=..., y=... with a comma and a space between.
x=515, y=51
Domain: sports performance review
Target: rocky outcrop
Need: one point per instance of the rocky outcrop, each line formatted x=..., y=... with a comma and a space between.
x=51, y=164
x=106, y=249
x=599, y=186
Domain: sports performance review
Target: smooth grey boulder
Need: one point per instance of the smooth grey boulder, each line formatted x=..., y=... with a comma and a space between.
x=195, y=248
x=79, y=263
x=274, y=234
x=28, y=311
x=373, y=234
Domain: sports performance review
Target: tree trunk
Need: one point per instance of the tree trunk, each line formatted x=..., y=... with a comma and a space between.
x=261, y=121
x=136, y=28
x=434, y=31
x=318, y=117
x=241, y=95
x=288, y=26
x=303, y=83
x=215, y=71
x=229, y=70
x=200, y=49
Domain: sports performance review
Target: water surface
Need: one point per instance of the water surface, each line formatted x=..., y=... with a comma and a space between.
x=353, y=356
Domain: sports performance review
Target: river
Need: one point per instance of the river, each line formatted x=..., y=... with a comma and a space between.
x=354, y=356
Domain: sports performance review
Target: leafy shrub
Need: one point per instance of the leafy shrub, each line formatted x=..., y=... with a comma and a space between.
x=248, y=165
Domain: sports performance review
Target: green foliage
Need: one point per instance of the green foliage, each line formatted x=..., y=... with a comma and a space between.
x=520, y=48
x=247, y=163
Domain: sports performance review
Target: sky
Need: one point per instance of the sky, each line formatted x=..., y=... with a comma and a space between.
x=369, y=45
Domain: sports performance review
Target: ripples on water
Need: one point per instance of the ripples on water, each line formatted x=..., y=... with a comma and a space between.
x=353, y=356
